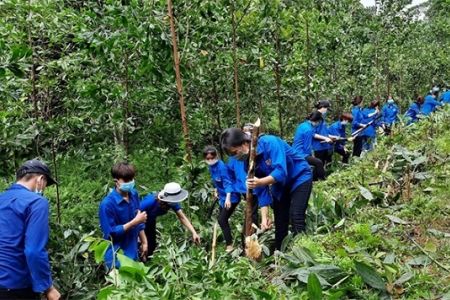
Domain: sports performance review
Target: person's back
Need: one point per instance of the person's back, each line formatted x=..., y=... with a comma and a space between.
x=303, y=139
x=321, y=129
x=429, y=105
x=446, y=96
x=338, y=130
x=370, y=131
x=24, y=232
x=414, y=110
x=389, y=113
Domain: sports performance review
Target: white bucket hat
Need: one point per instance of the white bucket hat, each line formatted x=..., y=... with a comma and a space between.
x=173, y=193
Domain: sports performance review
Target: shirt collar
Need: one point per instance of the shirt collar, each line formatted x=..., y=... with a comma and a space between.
x=116, y=196
x=16, y=186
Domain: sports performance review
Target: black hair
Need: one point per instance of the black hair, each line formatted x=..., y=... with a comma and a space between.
x=374, y=104
x=233, y=137
x=249, y=126
x=357, y=100
x=346, y=115
x=315, y=116
x=123, y=170
x=435, y=93
x=209, y=150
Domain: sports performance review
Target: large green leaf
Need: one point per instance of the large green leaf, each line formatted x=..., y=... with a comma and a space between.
x=370, y=276
x=314, y=287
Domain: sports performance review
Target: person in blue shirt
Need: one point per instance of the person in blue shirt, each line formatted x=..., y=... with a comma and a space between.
x=224, y=190
x=24, y=264
x=445, y=97
x=358, y=123
x=322, y=148
x=389, y=115
x=121, y=220
x=369, y=134
x=430, y=103
x=414, y=110
x=337, y=131
x=279, y=165
x=302, y=144
x=159, y=204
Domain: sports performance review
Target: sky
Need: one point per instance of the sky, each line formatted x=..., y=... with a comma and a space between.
x=372, y=2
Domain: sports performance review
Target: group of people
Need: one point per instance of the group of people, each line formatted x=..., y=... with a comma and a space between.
x=283, y=181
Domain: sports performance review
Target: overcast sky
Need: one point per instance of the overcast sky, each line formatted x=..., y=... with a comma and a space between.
x=372, y=2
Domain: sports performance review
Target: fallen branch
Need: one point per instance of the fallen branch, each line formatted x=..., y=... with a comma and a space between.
x=425, y=252
x=213, y=255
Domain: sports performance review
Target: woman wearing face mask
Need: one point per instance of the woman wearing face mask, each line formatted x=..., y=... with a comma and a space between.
x=159, y=204
x=430, y=105
x=321, y=143
x=357, y=123
x=228, y=199
x=279, y=165
x=337, y=131
x=389, y=115
x=369, y=134
x=302, y=143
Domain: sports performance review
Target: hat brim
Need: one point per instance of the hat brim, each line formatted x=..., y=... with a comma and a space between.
x=173, y=198
x=50, y=181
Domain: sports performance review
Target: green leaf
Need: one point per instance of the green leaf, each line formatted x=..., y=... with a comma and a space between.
x=286, y=242
x=100, y=250
x=430, y=247
x=130, y=266
x=260, y=294
x=404, y=278
x=370, y=276
x=104, y=293
x=365, y=193
x=419, y=261
x=397, y=220
x=2, y=72
x=314, y=287
x=16, y=70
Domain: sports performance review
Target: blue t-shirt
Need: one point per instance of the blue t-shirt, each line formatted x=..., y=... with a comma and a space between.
x=24, y=232
x=358, y=118
x=337, y=129
x=389, y=113
x=223, y=182
x=370, y=131
x=277, y=159
x=302, y=143
x=114, y=213
x=321, y=130
x=445, y=97
x=429, y=105
x=150, y=205
x=412, y=113
x=239, y=177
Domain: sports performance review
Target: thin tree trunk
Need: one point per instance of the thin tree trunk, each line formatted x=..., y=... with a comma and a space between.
x=278, y=78
x=307, y=73
x=387, y=73
x=216, y=104
x=55, y=168
x=179, y=84
x=377, y=79
x=339, y=106
x=236, y=77
x=127, y=111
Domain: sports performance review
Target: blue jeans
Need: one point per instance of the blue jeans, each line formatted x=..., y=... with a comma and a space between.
x=292, y=206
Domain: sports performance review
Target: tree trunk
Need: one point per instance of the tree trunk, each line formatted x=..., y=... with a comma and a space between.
x=179, y=84
x=236, y=83
x=377, y=79
x=307, y=73
x=127, y=111
x=278, y=78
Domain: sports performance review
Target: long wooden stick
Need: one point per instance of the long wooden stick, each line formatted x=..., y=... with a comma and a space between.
x=176, y=59
x=213, y=257
x=251, y=174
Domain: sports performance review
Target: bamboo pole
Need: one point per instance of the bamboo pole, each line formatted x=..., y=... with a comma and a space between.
x=214, y=243
x=176, y=59
x=250, y=175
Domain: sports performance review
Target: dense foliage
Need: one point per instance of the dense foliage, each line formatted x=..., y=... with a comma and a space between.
x=86, y=83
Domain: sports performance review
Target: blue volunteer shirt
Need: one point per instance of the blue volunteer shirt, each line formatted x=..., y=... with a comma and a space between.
x=24, y=232
x=223, y=182
x=114, y=213
x=445, y=97
x=430, y=105
x=389, y=113
x=357, y=118
x=412, y=113
x=321, y=130
x=150, y=205
x=303, y=139
x=277, y=159
x=370, y=131
x=239, y=177
x=337, y=129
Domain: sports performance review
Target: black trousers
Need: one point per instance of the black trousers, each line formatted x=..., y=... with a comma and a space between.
x=318, y=171
x=292, y=206
x=345, y=155
x=224, y=216
x=150, y=233
x=323, y=155
x=357, y=146
x=11, y=294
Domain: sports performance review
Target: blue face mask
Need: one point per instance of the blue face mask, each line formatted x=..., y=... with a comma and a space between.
x=390, y=101
x=344, y=124
x=39, y=192
x=436, y=89
x=241, y=156
x=127, y=186
x=324, y=113
x=315, y=125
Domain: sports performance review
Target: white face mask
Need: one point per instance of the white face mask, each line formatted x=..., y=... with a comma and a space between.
x=37, y=190
x=211, y=162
